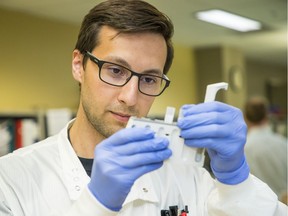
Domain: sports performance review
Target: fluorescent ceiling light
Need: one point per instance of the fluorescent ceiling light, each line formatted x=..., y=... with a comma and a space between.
x=229, y=20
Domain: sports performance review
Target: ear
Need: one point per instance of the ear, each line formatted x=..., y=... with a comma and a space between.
x=77, y=66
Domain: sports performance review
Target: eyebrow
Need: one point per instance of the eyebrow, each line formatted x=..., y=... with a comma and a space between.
x=124, y=63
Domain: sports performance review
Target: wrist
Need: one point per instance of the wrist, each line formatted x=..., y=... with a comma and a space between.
x=235, y=177
x=115, y=209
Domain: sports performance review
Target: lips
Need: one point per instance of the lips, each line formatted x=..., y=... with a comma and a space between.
x=121, y=116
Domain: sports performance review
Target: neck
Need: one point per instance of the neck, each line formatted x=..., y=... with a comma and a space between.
x=83, y=137
x=257, y=125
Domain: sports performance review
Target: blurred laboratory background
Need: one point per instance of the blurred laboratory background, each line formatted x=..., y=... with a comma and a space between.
x=38, y=94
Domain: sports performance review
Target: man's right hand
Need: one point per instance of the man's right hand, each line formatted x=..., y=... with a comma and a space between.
x=121, y=159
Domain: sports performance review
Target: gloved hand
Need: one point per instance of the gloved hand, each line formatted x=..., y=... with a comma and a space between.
x=221, y=129
x=121, y=159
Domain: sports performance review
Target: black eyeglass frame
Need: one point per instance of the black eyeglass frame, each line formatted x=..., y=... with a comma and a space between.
x=100, y=63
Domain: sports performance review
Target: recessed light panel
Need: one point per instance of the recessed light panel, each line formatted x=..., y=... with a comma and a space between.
x=229, y=20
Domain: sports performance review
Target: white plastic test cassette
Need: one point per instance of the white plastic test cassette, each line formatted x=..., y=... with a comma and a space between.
x=167, y=128
x=182, y=154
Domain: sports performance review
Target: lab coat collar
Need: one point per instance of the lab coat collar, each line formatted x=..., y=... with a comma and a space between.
x=74, y=174
x=260, y=129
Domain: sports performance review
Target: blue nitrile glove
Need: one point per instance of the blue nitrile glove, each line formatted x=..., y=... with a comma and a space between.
x=220, y=129
x=121, y=159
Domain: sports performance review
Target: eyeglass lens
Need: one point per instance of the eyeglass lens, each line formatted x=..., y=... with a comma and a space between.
x=119, y=76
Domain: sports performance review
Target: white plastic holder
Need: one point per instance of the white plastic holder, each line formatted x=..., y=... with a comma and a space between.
x=181, y=154
x=210, y=95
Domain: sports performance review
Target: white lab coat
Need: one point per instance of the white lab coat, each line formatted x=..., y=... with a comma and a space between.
x=47, y=179
x=266, y=153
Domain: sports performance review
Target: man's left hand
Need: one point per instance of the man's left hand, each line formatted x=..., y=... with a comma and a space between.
x=220, y=129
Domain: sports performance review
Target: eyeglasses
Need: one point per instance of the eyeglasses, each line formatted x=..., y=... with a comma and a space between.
x=117, y=75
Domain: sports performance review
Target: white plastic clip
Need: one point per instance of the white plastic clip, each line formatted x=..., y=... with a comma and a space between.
x=211, y=91
x=169, y=116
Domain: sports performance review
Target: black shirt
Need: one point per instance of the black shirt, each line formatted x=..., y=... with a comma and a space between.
x=87, y=164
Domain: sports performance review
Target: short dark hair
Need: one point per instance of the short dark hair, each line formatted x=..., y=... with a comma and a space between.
x=256, y=109
x=126, y=16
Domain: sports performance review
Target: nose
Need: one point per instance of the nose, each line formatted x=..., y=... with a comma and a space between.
x=129, y=92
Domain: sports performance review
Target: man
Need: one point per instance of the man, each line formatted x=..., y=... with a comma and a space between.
x=266, y=150
x=121, y=57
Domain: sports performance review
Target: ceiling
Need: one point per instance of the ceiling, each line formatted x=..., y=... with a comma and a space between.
x=269, y=44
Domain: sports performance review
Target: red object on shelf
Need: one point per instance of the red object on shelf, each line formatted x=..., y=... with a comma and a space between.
x=18, y=134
